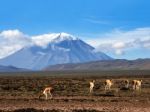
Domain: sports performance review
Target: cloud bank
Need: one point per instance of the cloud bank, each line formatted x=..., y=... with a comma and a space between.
x=117, y=42
x=120, y=42
x=11, y=41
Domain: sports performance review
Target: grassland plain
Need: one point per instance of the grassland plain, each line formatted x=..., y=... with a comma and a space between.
x=19, y=92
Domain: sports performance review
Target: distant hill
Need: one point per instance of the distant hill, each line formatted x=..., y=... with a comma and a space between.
x=119, y=64
x=11, y=69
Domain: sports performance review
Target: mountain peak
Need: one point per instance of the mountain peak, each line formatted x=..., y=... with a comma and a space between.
x=44, y=40
x=64, y=36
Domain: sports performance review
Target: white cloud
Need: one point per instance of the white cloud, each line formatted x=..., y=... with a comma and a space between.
x=43, y=40
x=118, y=45
x=119, y=52
x=11, y=41
x=120, y=42
x=12, y=34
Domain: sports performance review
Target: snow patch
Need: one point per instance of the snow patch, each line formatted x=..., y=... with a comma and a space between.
x=41, y=53
x=44, y=40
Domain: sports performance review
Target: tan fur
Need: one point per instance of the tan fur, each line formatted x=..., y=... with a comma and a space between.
x=92, y=86
x=108, y=84
x=136, y=84
x=46, y=92
x=126, y=82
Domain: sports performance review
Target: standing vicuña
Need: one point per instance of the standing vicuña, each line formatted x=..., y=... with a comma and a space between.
x=108, y=84
x=92, y=86
x=126, y=82
x=136, y=84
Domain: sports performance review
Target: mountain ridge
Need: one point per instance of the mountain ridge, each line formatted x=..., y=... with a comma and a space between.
x=116, y=64
x=11, y=69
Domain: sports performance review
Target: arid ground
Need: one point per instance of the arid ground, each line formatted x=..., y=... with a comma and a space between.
x=19, y=92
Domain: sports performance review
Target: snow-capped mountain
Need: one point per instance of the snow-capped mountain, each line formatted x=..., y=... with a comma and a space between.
x=60, y=48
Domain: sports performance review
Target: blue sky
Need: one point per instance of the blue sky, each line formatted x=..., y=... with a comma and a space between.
x=73, y=16
x=92, y=20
